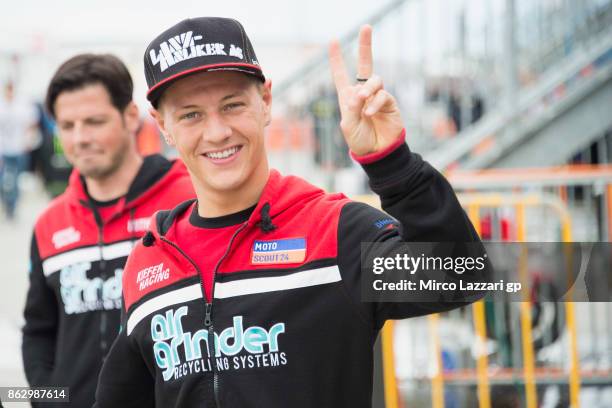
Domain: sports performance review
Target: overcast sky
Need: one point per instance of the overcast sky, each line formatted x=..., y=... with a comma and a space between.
x=285, y=33
x=60, y=28
x=267, y=20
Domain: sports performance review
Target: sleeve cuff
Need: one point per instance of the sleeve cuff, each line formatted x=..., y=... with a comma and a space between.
x=376, y=156
x=397, y=164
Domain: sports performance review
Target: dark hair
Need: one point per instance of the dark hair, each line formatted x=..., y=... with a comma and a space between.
x=88, y=69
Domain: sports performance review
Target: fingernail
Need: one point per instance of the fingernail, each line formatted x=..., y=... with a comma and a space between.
x=369, y=111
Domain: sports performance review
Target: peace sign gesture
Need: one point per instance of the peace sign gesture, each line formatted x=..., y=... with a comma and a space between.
x=371, y=120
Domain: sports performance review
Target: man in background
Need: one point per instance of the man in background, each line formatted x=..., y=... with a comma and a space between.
x=82, y=239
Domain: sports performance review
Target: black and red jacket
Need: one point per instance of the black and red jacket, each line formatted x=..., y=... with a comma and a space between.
x=286, y=326
x=78, y=251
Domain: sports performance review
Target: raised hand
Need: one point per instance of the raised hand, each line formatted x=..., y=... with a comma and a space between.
x=371, y=119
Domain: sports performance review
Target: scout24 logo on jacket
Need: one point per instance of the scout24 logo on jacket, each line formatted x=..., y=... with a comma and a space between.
x=178, y=353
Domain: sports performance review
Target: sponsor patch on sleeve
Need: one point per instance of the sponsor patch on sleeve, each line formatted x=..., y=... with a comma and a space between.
x=279, y=251
x=385, y=223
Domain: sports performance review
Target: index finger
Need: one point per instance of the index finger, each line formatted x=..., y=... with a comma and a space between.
x=364, y=61
x=338, y=68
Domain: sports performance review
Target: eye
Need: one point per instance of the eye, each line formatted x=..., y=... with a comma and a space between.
x=96, y=122
x=233, y=106
x=190, y=116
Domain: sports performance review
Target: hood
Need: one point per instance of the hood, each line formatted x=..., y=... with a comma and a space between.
x=155, y=173
x=280, y=193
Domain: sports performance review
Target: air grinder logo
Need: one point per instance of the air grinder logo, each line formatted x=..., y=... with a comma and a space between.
x=179, y=353
x=183, y=47
x=81, y=294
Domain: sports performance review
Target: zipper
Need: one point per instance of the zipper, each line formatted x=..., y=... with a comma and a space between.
x=100, y=226
x=102, y=266
x=100, y=243
x=208, y=306
x=208, y=317
x=211, y=338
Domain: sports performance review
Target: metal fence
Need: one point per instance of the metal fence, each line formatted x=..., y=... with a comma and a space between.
x=524, y=354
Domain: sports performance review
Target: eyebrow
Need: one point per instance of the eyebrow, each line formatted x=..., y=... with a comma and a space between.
x=226, y=97
x=95, y=116
x=187, y=107
x=232, y=95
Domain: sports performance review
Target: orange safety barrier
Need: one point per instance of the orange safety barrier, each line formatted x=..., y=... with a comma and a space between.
x=289, y=133
x=147, y=138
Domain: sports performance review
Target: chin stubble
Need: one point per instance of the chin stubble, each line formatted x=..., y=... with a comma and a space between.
x=104, y=172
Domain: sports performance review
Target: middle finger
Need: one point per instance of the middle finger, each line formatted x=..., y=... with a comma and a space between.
x=364, y=61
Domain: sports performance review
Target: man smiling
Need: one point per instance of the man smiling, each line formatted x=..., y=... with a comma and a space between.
x=228, y=166
x=262, y=305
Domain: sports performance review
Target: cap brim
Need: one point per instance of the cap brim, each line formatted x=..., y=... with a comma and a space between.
x=156, y=91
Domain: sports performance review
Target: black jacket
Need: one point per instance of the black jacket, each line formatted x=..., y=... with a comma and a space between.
x=72, y=311
x=286, y=320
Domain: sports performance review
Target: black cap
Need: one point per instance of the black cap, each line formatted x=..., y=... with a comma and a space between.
x=197, y=45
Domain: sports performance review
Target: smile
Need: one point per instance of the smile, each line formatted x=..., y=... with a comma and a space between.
x=223, y=154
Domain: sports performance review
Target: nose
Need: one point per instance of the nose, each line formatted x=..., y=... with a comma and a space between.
x=216, y=131
x=80, y=134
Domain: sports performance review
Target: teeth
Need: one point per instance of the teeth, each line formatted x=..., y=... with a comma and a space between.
x=223, y=154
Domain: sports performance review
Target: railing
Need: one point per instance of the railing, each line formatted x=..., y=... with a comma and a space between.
x=465, y=61
x=525, y=193
x=531, y=108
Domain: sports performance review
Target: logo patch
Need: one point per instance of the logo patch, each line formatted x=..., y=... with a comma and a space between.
x=65, y=237
x=138, y=224
x=152, y=275
x=387, y=222
x=179, y=353
x=184, y=46
x=279, y=251
x=81, y=294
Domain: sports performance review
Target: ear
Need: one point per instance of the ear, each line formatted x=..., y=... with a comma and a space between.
x=158, y=115
x=267, y=99
x=131, y=117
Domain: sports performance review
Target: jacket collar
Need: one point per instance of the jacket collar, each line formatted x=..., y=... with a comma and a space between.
x=279, y=194
x=154, y=173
